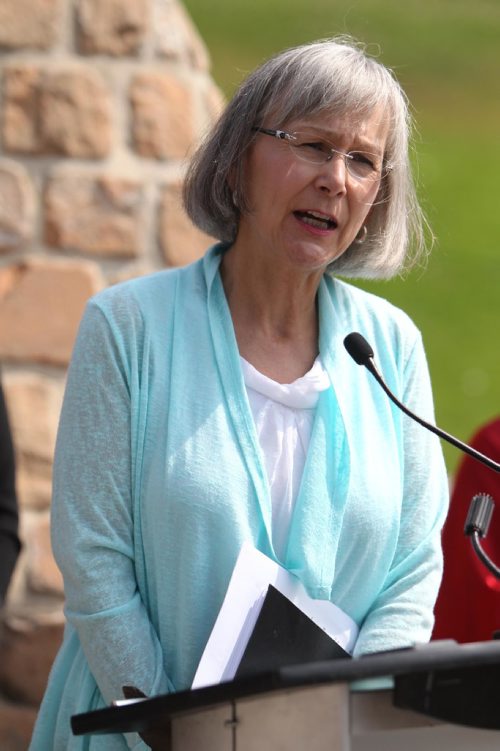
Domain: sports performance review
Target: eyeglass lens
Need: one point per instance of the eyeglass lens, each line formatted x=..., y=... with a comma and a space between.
x=359, y=164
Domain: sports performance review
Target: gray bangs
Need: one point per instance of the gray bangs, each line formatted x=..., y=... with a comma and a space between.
x=324, y=78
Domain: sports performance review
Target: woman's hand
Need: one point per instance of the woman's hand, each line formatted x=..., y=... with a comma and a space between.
x=158, y=738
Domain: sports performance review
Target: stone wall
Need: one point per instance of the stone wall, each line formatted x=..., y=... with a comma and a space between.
x=100, y=103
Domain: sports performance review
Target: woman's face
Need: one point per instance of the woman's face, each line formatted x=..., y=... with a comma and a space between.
x=302, y=214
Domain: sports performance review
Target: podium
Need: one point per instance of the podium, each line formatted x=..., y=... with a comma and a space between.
x=441, y=693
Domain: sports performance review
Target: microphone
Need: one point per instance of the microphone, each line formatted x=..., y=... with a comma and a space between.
x=362, y=354
x=482, y=505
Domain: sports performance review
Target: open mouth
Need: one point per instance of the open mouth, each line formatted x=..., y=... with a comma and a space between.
x=316, y=219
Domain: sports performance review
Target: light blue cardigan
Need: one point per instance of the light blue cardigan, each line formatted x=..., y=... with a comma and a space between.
x=159, y=479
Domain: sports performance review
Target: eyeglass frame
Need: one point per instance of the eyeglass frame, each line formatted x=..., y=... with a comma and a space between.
x=284, y=135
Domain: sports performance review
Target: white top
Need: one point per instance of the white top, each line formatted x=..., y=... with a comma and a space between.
x=283, y=415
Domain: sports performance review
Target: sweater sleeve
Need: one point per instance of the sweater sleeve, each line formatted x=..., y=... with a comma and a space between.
x=93, y=506
x=402, y=614
x=9, y=541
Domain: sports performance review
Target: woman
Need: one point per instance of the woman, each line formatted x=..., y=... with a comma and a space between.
x=215, y=404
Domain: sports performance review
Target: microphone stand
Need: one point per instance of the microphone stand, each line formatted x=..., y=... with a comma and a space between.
x=482, y=505
x=476, y=526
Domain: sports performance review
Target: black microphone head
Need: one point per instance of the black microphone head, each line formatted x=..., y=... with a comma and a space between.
x=358, y=348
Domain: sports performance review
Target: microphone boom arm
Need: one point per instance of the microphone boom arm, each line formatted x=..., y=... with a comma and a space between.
x=370, y=365
x=482, y=505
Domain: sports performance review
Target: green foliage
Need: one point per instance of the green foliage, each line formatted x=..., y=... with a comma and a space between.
x=446, y=55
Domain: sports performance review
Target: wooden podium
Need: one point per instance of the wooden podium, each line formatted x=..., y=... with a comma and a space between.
x=441, y=695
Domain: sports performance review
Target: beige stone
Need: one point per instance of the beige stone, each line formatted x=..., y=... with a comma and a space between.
x=132, y=271
x=181, y=242
x=16, y=726
x=162, y=112
x=34, y=401
x=41, y=303
x=29, y=23
x=215, y=101
x=75, y=113
x=56, y=112
x=27, y=651
x=42, y=573
x=21, y=95
x=111, y=27
x=34, y=483
x=17, y=204
x=16, y=592
x=101, y=216
x=33, y=465
x=176, y=36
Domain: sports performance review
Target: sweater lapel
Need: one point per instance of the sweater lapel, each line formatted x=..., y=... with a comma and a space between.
x=233, y=386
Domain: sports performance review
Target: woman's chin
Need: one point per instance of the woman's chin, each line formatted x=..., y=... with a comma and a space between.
x=311, y=256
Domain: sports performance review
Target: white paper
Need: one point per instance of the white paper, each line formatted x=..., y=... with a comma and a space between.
x=252, y=575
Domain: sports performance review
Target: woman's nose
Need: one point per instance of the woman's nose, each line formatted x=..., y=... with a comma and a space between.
x=333, y=175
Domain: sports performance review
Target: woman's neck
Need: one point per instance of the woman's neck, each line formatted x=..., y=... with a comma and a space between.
x=274, y=316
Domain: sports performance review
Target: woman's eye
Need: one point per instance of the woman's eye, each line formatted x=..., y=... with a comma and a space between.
x=317, y=146
x=362, y=158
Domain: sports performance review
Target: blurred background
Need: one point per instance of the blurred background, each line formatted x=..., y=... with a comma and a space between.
x=446, y=54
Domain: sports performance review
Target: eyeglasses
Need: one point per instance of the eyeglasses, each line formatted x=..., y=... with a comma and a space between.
x=311, y=148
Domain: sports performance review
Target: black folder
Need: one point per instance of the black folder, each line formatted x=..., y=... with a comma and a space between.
x=284, y=635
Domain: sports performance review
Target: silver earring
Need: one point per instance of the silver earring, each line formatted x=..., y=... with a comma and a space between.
x=361, y=236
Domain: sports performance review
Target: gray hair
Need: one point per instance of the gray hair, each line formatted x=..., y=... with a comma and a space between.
x=330, y=75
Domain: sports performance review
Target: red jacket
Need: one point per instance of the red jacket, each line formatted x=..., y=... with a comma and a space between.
x=468, y=605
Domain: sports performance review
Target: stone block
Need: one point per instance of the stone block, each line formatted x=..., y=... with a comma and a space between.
x=132, y=271
x=20, y=120
x=29, y=23
x=16, y=592
x=34, y=401
x=111, y=27
x=100, y=216
x=177, y=37
x=180, y=240
x=75, y=113
x=16, y=726
x=41, y=303
x=27, y=651
x=162, y=116
x=17, y=205
x=215, y=101
x=42, y=574
x=34, y=483
x=64, y=111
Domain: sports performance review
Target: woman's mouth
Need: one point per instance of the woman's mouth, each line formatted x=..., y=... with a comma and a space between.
x=316, y=219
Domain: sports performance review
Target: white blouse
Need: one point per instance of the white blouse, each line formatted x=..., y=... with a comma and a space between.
x=283, y=415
